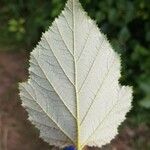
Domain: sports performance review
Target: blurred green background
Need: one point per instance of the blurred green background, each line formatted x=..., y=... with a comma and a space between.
x=125, y=22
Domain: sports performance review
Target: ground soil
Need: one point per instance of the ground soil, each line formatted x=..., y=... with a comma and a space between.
x=16, y=133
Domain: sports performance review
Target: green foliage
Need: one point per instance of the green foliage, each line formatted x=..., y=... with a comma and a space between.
x=127, y=24
x=145, y=102
x=16, y=27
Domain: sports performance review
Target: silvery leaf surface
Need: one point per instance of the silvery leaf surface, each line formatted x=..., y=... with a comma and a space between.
x=73, y=95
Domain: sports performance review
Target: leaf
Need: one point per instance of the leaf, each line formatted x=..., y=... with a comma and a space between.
x=73, y=95
x=145, y=87
x=124, y=34
x=145, y=102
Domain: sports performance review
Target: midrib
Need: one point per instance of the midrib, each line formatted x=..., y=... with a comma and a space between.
x=78, y=146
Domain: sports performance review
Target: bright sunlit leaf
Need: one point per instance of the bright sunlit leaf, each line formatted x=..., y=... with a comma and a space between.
x=73, y=95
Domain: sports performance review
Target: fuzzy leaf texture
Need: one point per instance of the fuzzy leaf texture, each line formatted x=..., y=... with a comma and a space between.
x=73, y=95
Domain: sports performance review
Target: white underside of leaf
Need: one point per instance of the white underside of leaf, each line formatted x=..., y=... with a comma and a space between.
x=73, y=94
